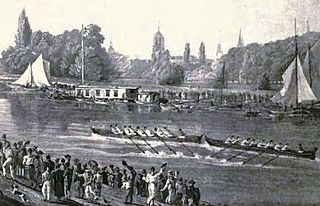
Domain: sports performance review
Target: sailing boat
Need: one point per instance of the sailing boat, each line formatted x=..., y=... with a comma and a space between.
x=35, y=76
x=296, y=90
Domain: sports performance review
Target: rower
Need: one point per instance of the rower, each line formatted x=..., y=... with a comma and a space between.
x=262, y=144
x=270, y=144
x=253, y=143
x=181, y=134
x=236, y=140
x=118, y=129
x=167, y=132
x=285, y=147
x=301, y=150
x=158, y=132
x=127, y=131
x=141, y=132
x=278, y=147
x=131, y=130
x=229, y=140
x=245, y=142
x=113, y=129
x=148, y=132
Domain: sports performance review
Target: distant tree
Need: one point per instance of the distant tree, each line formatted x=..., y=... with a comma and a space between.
x=202, y=54
x=264, y=82
x=186, y=54
x=23, y=36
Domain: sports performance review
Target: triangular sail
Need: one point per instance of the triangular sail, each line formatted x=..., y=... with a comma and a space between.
x=26, y=78
x=39, y=74
x=296, y=88
x=311, y=68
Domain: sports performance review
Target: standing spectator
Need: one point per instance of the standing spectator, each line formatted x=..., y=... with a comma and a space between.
x=171, y=187
x=46, y=184
x=28, y=165
x=67, y=180
x=38, y=169
x=105, y=176
x=78, y=181
x=151, y=180
x=129, y=183
x=59, y=181
x=193, y=194
x=180, y=192
x=8, y=153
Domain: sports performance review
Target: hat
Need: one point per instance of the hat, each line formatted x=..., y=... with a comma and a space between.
x=4, y=136
x=191, y=182
x=67, y=156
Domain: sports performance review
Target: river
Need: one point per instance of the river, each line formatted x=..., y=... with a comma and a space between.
x=60, y=127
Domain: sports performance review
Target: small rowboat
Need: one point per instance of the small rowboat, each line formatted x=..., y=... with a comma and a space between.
x=108, y=133
x=309, y=154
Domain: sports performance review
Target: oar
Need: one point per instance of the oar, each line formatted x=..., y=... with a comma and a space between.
x=187, y=148
x=251, y=158
x=267, y=162
x=174, y=152
x=135, y=144
x=234, y=156
x=156, y=151
x=221, y=150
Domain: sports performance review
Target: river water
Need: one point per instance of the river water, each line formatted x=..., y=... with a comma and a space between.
x=60, y=127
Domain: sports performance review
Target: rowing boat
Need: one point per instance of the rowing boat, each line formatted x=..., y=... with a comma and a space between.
x=108, y=133
x=309, y=154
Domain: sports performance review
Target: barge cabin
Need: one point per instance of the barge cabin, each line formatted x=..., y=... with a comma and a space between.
x=106, y=93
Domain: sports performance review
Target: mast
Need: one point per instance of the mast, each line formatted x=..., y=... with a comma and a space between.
x=310, y=68
x=296, y=59
x=82, y=55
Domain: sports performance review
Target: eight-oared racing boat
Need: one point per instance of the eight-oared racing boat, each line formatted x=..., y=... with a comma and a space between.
x=309, y=154
x=187, y=138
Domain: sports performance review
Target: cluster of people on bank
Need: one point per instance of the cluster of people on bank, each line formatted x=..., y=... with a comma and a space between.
x=258, y=143
x=64, y=177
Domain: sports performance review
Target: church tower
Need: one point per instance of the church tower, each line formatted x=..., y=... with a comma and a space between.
x=158, y=46
x=219, y=52
x=240, y=40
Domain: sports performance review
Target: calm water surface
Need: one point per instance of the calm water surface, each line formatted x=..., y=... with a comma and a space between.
x=61, y=127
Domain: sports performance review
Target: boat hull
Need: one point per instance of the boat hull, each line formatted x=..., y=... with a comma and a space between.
x=309, y=154
x=108, y=133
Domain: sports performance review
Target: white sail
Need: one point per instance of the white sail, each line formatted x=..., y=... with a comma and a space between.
x=26, y=78
x=39, y=74
x=311, y=68
x=296, y=88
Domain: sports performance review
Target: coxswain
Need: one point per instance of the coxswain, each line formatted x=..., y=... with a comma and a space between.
x=158, y=132
x=113, y=129
x=245, y=142
x=270, y=144
x=285, y=147
x=229, y=140
x=181, y=134
x=301, y=150
x=262, y=144
x=131, y=130
x=167, y=132
x=148, y=132
x=141, y=132
x=278, y=147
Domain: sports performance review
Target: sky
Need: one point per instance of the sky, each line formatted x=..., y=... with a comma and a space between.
x=131, y=24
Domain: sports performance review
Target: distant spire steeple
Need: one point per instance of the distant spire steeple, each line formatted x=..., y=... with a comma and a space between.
x=219, y=52
x=240, y=40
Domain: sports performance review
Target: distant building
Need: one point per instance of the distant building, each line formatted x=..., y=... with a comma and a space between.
x=158, y=46
x=219, y=52
x=111, y=49
x=240, y=40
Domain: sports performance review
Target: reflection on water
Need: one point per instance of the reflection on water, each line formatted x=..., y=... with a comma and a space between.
x=64, y=127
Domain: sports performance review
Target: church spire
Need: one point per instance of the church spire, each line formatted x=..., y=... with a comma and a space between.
x=219, y=51
x=111, y=49
x=240, y=40
x=308, y=26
